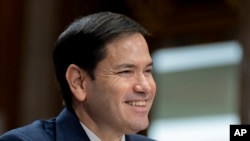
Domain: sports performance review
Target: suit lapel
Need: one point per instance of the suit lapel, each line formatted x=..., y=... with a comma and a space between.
x=68, y=127
x=128, y=138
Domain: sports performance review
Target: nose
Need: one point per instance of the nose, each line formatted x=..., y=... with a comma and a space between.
x=142, y=85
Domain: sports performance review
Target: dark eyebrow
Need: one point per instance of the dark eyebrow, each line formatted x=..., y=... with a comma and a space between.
x=150, y=64
x=127, y=65
x=124, y=66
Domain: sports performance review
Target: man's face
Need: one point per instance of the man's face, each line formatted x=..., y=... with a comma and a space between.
x=120, y=97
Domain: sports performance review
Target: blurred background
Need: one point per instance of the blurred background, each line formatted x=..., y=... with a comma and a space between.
x=200, y=50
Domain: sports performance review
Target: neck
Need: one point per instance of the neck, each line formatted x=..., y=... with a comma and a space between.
x=105, y=133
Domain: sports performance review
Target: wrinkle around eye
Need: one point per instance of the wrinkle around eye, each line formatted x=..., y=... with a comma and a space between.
x=125, y=73
x=148, y=71
x=106, y=73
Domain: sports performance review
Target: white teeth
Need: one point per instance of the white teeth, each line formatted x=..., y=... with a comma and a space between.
x=137, y=103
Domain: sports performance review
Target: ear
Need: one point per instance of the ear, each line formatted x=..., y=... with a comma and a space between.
x=76, y=78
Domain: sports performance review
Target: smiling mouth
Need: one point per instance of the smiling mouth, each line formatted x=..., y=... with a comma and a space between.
x=136, y=103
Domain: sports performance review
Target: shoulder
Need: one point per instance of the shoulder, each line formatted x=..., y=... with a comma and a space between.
x=37, y=131
x=137, y=137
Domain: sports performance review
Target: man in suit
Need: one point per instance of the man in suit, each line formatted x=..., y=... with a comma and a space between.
x=104, y=70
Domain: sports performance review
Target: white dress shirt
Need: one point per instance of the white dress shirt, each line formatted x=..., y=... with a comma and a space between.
x=92, y=136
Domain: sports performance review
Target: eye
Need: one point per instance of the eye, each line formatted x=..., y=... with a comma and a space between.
x=148, y=71
x=125, y=73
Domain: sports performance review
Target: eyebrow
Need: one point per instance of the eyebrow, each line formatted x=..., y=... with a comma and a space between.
x=128, y=65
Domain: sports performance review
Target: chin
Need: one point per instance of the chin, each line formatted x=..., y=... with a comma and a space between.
x=138, y=126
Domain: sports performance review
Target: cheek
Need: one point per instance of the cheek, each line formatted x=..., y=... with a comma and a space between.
x=117, y=85
x=110, y=92
x=119, y=90
x=153, y=87
x=114, y=89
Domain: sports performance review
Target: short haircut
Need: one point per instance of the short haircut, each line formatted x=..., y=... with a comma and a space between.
x=83, y=44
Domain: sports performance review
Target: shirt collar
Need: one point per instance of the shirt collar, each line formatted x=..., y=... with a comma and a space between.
x=92, y=136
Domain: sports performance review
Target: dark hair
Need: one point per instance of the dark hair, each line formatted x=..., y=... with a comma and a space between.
x=83, y=44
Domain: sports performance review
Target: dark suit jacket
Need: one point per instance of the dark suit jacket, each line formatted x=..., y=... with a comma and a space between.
x=65, y=127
